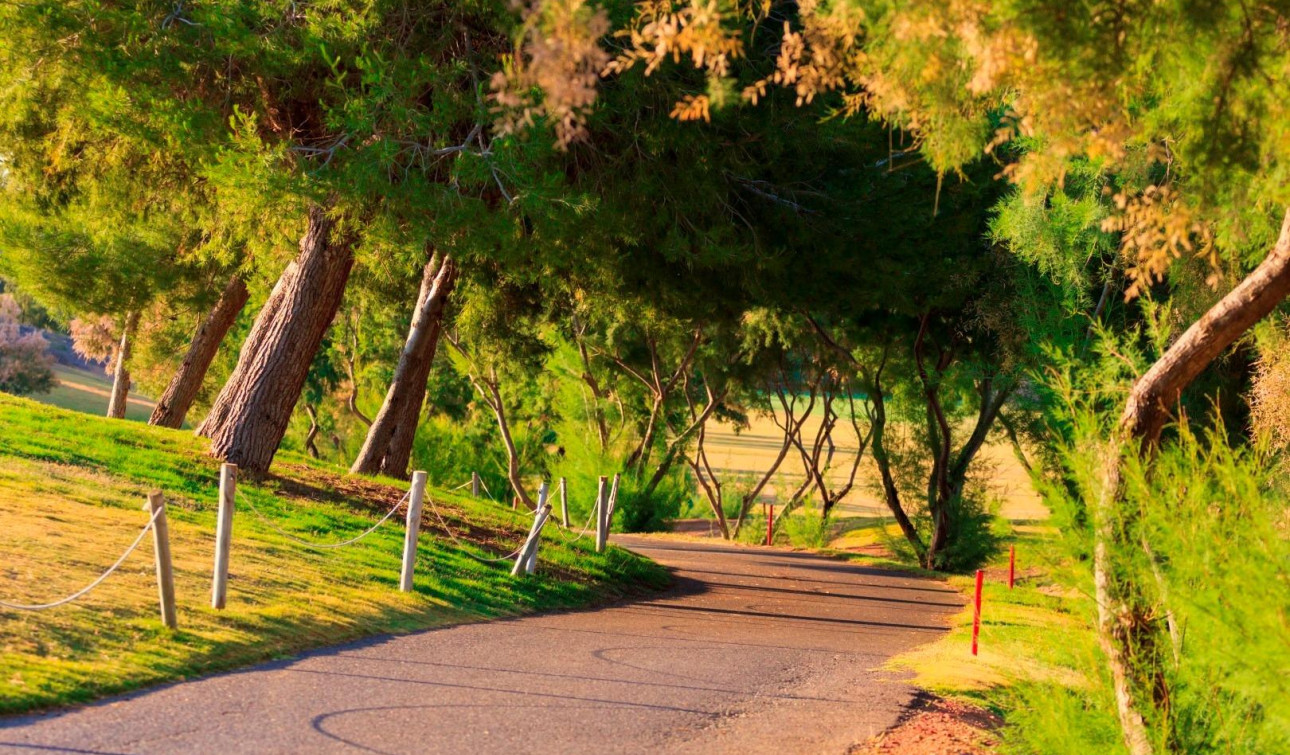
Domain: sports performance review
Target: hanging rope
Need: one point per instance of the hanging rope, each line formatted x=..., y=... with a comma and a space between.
x=435, y=508
x=585, y=528
x=92, y=585
x=326, y=546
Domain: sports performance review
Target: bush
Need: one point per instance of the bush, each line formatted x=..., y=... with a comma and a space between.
x=1208, y=527
x=26, y=366
x=805, y=528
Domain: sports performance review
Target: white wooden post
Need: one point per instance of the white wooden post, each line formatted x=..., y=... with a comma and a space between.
x=564, y=504
x=602, y=525
x=522, y=558
x=530, y=563
x=223, y=533
x=613, y=501
x=474, y=484
x=156, y=506
x=415, y=499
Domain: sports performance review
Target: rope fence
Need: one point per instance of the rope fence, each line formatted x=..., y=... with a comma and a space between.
x=434, y=508
x=98, y=581
x=326, y=546
x=525, y=555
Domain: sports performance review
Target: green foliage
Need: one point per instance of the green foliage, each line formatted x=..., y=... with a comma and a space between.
x=637, y=512
x=1205, y=522
x=805, y=528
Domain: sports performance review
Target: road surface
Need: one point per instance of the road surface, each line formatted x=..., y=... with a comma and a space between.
x=754, y=651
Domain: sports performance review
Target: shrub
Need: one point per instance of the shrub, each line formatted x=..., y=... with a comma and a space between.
x=26, y=366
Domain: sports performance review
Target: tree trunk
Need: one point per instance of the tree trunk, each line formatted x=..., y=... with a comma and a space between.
x=890, y=492
x=1122, y=624
x=178, y=397
x=512, y=455
x=597, y=396
x=250, y=416
x=121, y=371
x=312, y=433
x=678, y=444
x=388, y=445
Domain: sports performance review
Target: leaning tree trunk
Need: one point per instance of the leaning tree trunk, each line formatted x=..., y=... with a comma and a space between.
x=389, y=440
x=121, y=371
x=178, y=397
x=250, y=416
x=1123, y=623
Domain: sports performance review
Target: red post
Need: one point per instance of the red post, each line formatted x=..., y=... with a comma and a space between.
x=770, y=523
x=976, y=615
x=1012, y=565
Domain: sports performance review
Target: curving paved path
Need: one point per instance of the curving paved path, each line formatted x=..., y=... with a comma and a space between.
x=755, y=650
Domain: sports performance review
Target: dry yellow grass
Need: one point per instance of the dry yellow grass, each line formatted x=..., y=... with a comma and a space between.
x=71, y=494
x=752, y=451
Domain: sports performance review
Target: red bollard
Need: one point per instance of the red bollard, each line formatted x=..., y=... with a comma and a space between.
x=770, y=523
x=1012, y=565
x=976, y=615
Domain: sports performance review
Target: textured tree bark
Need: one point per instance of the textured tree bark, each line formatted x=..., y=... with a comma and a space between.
x=388, y=445
x=250, y=416
x=1122, y=628
x=121, y=372
x=173, y=406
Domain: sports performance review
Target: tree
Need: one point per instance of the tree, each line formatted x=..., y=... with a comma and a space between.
x=250, y=416
x=388, y=445
x=173, y=405
x=327, y=113
x=26, y=366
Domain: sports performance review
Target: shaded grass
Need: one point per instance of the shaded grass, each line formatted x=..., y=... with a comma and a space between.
x=71, y=491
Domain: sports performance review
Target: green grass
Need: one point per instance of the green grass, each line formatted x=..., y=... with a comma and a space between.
x=89, y=392
x=71, y=488
x=1036, y=645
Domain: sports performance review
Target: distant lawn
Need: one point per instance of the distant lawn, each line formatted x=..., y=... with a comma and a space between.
x=89, y=392
x=71, y=488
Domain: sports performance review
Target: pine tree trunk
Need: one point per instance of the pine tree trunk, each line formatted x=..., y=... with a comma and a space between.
x=121, y=372
x=388, y=445
x=250, y=416
x=1123, y=614
x=184, y=386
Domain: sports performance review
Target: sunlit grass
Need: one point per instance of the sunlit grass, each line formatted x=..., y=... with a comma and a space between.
x=1037, y=635
x=89, y=392
x=71, y=491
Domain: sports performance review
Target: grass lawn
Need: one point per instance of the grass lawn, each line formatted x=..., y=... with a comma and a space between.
x=89, y=392
x=71, y=491
x=1036, y=643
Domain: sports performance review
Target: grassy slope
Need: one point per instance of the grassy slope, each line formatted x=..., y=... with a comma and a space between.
x=89, y=392
x=71, y=488
x=1036, y=641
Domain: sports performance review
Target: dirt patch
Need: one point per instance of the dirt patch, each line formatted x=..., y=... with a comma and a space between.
x=936, y=726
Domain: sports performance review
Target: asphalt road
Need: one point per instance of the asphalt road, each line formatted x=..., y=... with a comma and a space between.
x=754, y=651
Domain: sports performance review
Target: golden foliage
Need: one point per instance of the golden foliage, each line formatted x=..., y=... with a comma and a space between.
x=555, y=70
x=1156, y=227
x=1270, y=396
x=822, y=57
x=664, y=29
x=693, y=107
